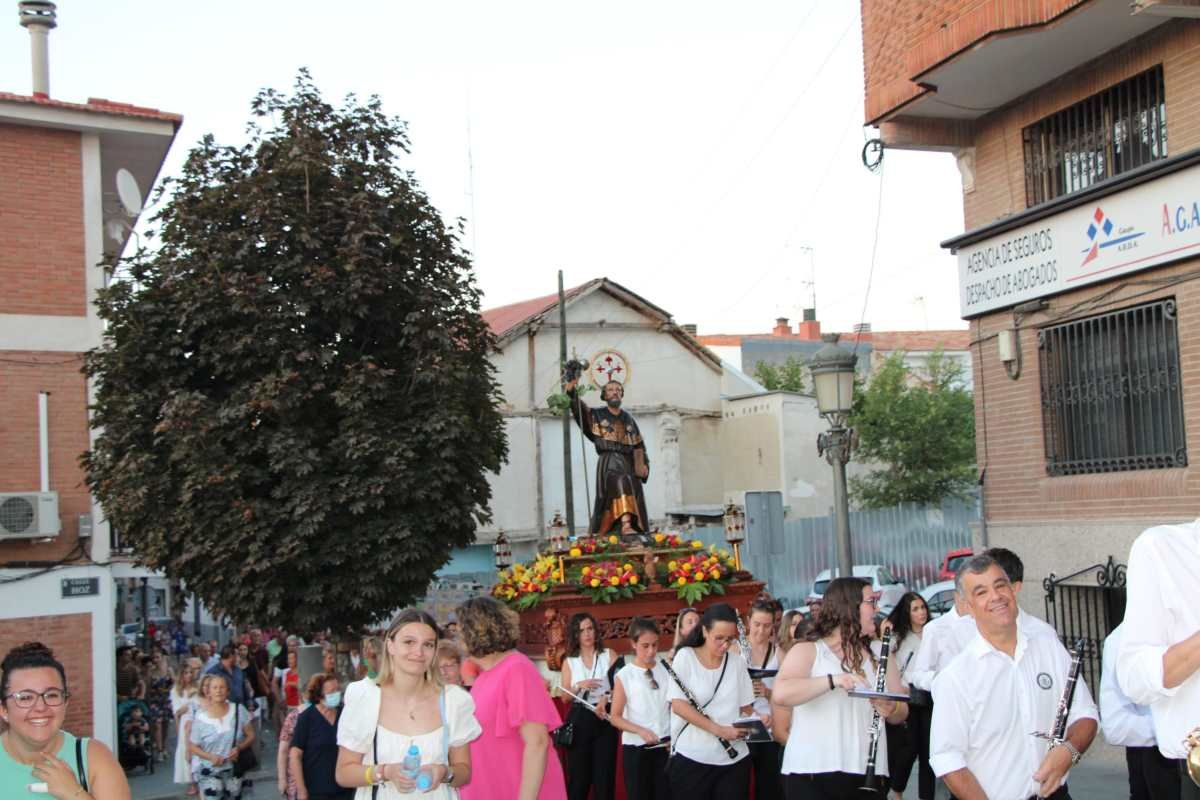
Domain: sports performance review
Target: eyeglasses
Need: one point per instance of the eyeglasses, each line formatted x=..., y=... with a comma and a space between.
x=51, y=697
x=653, y=683
x=873, y=602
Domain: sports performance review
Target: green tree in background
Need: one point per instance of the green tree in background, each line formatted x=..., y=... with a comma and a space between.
x=788, y=376
x=297, y=406
x=918, y=428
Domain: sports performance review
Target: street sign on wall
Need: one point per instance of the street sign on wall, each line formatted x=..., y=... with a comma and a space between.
x=80, y=587
x=1145, y=226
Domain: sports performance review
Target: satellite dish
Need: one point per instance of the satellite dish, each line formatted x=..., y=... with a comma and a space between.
x=128, y=192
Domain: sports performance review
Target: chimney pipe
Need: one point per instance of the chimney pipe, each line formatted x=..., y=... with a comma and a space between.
x=39, y=17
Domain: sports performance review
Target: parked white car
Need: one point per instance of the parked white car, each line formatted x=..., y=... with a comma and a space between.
x=888, y=587
x=939, y=597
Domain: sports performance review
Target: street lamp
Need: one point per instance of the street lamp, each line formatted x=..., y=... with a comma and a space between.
x=558, y=534
x=735, y=531
x=502, y=552
x=832, y=369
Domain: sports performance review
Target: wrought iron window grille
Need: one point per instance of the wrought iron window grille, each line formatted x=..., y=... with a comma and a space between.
x=1111, y=132
x=1111, y=392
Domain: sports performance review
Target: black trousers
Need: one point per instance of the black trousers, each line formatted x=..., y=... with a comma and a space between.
x=825, y=786
x=1059, y=794
x=767, y=759
x=592, y=759
x=920, y=717
x=902, y=754
x=695, y=781
x=645, y=772
x=1152, y=776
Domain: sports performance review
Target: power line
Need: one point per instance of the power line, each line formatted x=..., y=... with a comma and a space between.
x=874, y=250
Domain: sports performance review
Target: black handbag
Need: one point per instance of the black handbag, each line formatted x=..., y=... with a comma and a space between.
x=564, y=735
x=246, y=761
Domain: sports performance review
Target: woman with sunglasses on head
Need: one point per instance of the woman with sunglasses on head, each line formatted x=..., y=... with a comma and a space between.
x=829, y=737
x=592, y=757
x=36, y=751
x=641, y=713
x=709, y=759
x=406, y=707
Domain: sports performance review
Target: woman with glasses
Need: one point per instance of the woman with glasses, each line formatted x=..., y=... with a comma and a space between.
x=826, y=753
x=36, y=750
x=640, y=711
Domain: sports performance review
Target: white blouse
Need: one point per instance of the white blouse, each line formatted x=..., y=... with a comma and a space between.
x=721, y=699
x=645, y=705
x=761, y=704
x=359, y=726
x=598, y=671
x=830, y=733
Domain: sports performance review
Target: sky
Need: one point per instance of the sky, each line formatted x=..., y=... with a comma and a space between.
x=704, y=154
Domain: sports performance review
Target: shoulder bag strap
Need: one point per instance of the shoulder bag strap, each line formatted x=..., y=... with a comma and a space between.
x=375, y=758
x=236, y=719
x=79, y=769
x=445, y=727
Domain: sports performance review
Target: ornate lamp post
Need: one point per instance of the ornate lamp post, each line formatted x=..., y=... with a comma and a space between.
x=832, y=369
x=502, y=552
x=735, y=531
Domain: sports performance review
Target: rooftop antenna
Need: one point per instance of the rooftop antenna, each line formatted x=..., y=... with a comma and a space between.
x=811, y=283
x=39, y=17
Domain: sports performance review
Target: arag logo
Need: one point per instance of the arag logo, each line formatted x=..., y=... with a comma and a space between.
x=1102, y=233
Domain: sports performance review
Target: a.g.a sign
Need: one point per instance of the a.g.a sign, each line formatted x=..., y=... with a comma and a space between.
x=1144, y=226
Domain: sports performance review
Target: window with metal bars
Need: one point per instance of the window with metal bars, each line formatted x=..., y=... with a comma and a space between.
x=1111, y=398
x=1112, y=132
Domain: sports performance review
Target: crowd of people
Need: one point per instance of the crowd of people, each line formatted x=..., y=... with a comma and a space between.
x=804, y=706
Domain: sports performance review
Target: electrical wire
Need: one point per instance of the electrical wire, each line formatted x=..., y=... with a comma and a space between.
x=874, y=250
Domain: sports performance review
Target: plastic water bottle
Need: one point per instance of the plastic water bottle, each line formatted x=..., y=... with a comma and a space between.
x=411, y=766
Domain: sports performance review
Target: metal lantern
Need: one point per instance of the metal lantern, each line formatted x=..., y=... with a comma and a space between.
x=502, y=551
x=558, y=534
x=735, y=531
x=832, y=370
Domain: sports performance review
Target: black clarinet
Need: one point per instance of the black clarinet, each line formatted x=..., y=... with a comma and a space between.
x=1058, y=733
x=869, y=784
x=691, y=698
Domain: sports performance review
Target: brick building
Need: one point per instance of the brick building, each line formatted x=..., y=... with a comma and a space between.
x=68, y=171
x=1076, y=127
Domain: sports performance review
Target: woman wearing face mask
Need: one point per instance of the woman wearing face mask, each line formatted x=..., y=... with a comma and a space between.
x=719, y=681
x=312, y=753
x=406, y=707
x=35, y=749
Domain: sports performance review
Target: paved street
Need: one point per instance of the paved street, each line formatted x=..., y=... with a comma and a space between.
x=159, y=785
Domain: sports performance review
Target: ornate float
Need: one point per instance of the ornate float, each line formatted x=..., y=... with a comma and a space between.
x=616, y=579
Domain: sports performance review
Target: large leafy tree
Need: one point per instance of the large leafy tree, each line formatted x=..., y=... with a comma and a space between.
x=918, y=427
x=294, y=392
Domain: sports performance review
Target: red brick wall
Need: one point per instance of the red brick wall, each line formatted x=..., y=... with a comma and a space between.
x=1008, y=423
x=22, y=376
x=70, y=637
x=41, y=202
x=999, y=160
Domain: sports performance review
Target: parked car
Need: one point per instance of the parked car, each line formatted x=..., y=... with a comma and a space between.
x=939, y=597
x=127, y=634
x=889, y=588
x=953, y=560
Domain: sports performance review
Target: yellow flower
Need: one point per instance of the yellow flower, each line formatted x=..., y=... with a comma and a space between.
x=658, y=537
x=558, y=576
x=716, y=574
x=682, y=581
x=542, y=587
x=697, y=577
x=672, y=565
x=633, y=580
x=629, y=567
x=587, y=570
x=595, y=582
x=687, y=566
x=575, y=552
x=612, y=540
x=697, y=544
x=614, y=580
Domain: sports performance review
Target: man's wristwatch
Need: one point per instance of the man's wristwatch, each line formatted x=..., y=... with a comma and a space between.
x=1075, y=754
x=449, y=774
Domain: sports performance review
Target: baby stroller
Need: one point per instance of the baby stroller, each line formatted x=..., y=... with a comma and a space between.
x=135, y=745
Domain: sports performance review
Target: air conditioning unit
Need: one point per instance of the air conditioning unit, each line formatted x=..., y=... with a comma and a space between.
x=29, y=515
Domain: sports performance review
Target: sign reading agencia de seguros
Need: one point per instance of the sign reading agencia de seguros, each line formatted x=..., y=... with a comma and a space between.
x=1141, y=227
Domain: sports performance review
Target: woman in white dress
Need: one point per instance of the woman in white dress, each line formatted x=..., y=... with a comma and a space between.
x=183, y=697
x=406, y=707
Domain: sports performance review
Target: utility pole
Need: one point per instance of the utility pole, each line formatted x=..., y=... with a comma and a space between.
x=562, y=360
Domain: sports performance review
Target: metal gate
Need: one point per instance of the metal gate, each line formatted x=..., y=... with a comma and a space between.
x=1087, y=605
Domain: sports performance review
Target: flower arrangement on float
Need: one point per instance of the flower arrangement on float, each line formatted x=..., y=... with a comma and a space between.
x=700, y=574
x=523, y=585
x=606, y=581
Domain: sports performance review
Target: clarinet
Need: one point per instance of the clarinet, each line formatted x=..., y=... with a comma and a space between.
x=1058, y=733
x=869, y=784
x=691, y=698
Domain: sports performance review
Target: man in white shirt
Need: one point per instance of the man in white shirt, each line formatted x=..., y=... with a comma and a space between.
x=942, y=639
x=1003, y=687
x=1129, y=725
x=1159, y=661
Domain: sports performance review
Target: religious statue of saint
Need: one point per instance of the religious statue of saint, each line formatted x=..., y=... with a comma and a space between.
x=623, y=466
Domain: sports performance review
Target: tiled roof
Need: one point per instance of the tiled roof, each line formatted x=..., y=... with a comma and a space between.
x=502, y=319
x=95, y=105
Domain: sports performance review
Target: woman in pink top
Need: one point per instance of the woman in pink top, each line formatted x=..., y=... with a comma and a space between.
x=514, y=757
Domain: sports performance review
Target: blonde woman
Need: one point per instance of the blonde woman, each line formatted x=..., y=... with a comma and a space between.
x=405, y=707
x=183, y=697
